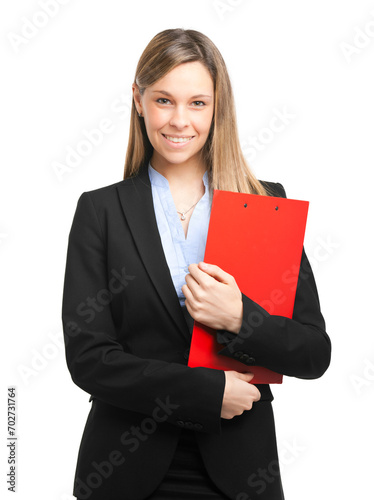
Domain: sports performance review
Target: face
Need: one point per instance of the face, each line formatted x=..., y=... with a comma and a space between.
x=177, y=112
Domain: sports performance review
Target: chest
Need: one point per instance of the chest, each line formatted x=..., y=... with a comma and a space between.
x=183, y=213
x=185, y=223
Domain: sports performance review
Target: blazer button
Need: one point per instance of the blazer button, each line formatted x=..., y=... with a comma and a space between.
x=237, y=354
x=186, y=354
x=198, y=427
x=189, y=425
x=251, y=361
x=180, y=423
x=244, y=358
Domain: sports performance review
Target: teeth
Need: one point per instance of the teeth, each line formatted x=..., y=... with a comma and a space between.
x=178, y=139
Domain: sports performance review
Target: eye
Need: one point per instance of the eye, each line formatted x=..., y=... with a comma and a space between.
x=200, y=104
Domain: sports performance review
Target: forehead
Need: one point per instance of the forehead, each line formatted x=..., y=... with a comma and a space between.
x=192, y=77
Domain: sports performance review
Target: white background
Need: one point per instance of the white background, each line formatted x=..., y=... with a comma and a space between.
x=312, y=59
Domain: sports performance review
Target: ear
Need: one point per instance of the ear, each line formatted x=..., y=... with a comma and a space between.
x=137, y=97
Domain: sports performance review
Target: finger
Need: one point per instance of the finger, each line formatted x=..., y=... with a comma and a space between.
x=188, y=294
x=194, y=270
x=258, y=396
x=192, y=285
x=190, y=280
x=201, y=277
x=216, y=272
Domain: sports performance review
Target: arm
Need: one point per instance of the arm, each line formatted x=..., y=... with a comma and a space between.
x=297, y=346
x=98, y=363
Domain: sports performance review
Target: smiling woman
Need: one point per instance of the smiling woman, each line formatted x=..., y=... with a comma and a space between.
x=215, y=434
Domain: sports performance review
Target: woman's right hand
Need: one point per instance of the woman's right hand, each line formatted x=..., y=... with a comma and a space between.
x=239, y=394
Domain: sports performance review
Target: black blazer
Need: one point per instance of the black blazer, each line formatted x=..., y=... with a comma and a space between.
x=126, y=344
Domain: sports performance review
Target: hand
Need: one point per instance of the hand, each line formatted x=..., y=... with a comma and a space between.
x=239, y=394
x=213, y=298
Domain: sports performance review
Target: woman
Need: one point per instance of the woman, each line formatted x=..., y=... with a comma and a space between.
x=135, y=282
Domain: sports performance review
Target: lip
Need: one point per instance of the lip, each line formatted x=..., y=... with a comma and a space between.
x=178, y=145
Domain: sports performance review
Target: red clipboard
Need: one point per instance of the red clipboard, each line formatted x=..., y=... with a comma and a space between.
x=258, y=240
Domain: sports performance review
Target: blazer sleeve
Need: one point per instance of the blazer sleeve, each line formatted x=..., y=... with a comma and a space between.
x=99, y=364
x=298, y=346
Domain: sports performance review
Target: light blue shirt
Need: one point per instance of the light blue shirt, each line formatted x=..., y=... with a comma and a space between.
x=180, y=251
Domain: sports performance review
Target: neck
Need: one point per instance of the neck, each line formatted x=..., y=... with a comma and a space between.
x=180, y=175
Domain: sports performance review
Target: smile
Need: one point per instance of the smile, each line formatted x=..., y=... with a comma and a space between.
x=177, y=140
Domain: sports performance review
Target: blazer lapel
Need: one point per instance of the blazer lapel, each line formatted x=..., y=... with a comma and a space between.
x=135, y=195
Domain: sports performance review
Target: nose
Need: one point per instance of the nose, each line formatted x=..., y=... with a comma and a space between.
x=180, y=117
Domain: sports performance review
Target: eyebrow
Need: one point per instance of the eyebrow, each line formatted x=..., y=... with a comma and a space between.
x=193, y=97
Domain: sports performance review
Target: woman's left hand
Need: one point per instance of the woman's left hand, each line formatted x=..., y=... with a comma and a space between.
x=213, y=298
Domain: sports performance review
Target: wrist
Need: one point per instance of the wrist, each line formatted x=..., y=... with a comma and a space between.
x=237, y=321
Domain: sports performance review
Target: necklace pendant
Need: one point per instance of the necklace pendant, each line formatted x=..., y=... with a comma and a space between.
x=183, y=217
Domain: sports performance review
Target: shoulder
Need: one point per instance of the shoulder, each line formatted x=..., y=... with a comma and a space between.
x=274, y=188
x=104, y=191
x=104, y=196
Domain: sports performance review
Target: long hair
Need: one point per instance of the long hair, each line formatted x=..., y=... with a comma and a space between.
x=222, y=154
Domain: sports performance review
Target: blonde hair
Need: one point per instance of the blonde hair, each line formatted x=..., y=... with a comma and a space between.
x=222, y=154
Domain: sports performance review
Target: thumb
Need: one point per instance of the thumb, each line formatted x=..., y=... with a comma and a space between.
x=246, y=376
x=214, y=271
